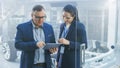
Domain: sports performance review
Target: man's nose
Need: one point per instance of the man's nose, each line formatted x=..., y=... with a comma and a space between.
x=40, y=19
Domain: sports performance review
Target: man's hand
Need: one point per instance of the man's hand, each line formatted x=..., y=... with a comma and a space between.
x=53, y=50
x=40, y=44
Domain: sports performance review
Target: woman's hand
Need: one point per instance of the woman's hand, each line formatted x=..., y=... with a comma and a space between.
x=64, y=41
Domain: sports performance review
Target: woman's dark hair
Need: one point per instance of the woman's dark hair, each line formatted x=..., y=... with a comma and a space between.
x=72, y=10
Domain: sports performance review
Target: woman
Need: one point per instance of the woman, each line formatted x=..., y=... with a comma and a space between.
x=72, y=35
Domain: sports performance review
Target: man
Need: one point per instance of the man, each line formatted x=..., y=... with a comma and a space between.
x=31, y=38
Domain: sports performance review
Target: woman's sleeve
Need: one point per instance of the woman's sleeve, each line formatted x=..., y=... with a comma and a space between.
x=80, y=38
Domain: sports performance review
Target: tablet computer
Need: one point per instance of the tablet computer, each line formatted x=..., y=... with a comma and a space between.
x=51, y=45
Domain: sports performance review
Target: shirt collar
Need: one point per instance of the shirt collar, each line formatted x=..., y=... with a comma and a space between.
x=67, y=25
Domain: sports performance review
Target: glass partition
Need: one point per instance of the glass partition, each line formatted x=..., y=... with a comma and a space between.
x=100, y=17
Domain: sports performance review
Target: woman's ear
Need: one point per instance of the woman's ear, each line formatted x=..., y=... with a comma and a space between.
x=73, y=17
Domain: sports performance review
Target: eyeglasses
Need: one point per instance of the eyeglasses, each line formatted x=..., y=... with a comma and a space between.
x=40, y=17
